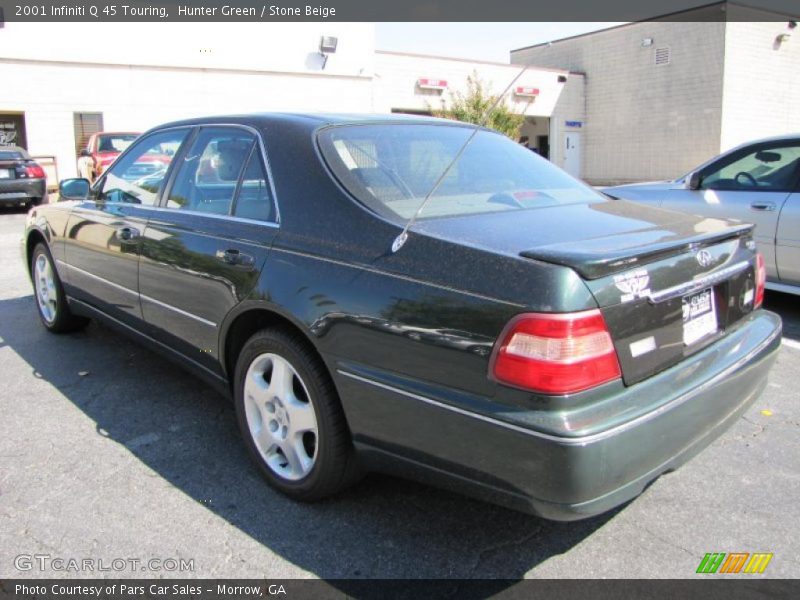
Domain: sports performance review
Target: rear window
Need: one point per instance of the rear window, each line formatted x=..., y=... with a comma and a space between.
x=390, y=168
x=10, y=155
x=116, y=142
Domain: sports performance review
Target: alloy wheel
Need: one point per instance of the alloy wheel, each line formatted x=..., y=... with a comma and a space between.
x=280, y=416
x=46, y=291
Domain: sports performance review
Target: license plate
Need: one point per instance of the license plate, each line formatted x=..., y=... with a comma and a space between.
x=699, y=316
x=5, y=173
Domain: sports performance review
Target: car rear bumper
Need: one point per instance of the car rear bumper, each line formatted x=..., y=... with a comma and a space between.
x=21, y=191
x=588, y=467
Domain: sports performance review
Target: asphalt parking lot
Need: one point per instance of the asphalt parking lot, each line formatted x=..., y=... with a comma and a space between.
x=108, y=451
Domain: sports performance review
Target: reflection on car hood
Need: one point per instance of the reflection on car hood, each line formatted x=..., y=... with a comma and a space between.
x=635, y=188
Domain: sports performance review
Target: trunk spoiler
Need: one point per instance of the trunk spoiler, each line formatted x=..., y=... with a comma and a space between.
x=603, y=256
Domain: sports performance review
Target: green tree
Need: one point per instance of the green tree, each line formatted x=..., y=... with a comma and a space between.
x=471, y=107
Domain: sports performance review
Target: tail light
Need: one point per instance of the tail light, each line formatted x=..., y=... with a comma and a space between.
x=761, y=279
x=556, y=353
x=34, y=171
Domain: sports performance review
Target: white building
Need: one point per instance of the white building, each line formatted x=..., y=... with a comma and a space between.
x=81, y=77
x=664, y=96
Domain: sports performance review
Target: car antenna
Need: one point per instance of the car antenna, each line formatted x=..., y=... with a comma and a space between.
x=401, y=239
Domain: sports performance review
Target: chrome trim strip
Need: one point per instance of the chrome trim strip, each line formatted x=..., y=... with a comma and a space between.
x=141, y=296
x=182, y=211
x=697, y=284
x=586, y=439
x=178, y=310
x=97, y=278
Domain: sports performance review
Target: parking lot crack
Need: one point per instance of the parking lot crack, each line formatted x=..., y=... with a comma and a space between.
x=493, y=548
x=761, y=428
x=668, y=542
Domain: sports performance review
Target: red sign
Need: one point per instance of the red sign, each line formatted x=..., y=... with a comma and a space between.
x=426, y=83
x=526, y=91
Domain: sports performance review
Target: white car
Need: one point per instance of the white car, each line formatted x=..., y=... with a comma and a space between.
x=757, y=182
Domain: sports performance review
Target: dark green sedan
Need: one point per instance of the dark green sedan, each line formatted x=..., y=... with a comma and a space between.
x=419, y=297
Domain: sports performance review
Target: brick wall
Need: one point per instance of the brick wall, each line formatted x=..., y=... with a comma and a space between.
x=761, y=93
x=644, y=121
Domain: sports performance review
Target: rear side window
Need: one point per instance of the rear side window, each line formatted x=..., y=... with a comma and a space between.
x=254, y=200
x=390, y=168
x=209, y=173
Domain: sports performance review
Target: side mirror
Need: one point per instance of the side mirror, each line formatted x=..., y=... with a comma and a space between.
x=693, y=181
x=73, y=189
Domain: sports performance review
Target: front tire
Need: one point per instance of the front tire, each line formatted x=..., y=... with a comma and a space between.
x=50, y=298
x=291, y=418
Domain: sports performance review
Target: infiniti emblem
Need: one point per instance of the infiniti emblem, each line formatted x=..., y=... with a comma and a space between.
x=704, y=258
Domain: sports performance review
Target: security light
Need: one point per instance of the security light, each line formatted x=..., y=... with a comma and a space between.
x=327, y=45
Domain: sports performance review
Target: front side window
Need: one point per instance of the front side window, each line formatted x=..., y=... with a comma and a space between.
x=390, y=168
x=768, y=169
x=209, y=173
x=137, y=177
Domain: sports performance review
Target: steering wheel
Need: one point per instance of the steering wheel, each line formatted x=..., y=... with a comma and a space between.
x=750, y=179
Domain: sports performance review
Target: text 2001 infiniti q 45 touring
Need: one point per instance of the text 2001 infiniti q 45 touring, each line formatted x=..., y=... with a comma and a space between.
x=529, y=342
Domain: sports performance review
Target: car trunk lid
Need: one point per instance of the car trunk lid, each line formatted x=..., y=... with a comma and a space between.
x=667, y=283
x=666, y=291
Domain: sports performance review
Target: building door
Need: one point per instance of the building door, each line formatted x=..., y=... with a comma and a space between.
x=543, y=145
x=572, y=154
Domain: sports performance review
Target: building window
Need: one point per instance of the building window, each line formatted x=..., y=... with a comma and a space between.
x=663, y=56
x=12, y=130
x=86, y=124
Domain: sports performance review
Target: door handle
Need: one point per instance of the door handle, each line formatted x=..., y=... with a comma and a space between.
x=127, y=234
x=232, y=256
x=765, y=206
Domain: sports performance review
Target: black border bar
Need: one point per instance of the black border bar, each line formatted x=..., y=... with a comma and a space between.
x=392, y=10
x=709, y=588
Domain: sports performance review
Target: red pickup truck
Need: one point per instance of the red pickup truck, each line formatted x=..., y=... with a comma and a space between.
x=106, y=146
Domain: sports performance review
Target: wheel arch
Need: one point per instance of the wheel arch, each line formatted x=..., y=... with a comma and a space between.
x=249, y=320
x=35, y=236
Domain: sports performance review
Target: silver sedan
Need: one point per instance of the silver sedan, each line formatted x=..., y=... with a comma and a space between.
x=757, y=182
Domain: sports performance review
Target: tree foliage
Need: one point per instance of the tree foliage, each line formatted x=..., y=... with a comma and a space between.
x=471, y=107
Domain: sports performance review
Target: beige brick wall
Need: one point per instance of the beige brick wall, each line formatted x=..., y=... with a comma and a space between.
x=761, y=91
x=644, y=121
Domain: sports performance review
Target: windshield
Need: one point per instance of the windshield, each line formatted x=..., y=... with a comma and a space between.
x=392, y=167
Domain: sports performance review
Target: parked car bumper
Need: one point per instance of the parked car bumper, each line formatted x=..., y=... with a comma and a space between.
x=14, y=192
x=589, y=464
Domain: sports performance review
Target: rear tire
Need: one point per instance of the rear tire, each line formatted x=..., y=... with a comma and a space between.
x=290, y=417
x=51, y=301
